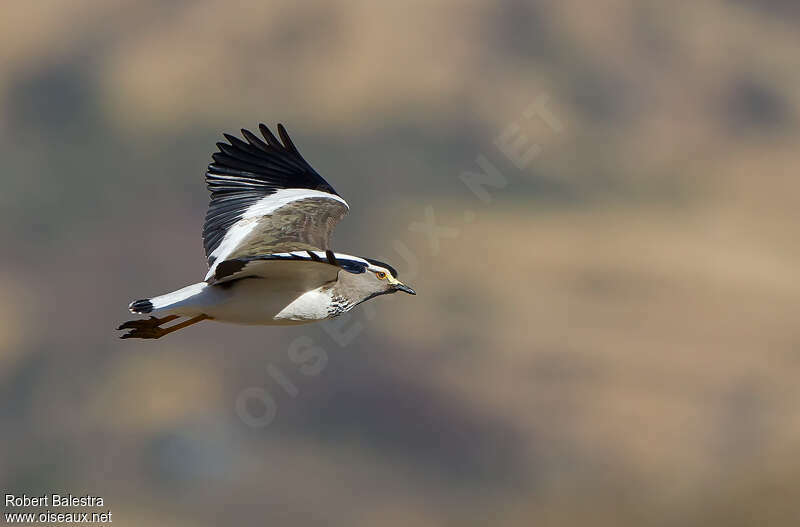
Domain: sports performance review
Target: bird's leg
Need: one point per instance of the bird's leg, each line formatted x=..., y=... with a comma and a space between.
x=151, y=322
x=166, y=319
x=185, y=323
x=149, y=328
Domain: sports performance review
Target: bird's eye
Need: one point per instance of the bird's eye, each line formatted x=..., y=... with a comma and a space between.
x=381, y=275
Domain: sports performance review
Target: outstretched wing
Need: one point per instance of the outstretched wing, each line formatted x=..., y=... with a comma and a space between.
x=265, y=199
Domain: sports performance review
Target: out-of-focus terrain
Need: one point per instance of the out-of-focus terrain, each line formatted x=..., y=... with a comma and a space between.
x=609, y=338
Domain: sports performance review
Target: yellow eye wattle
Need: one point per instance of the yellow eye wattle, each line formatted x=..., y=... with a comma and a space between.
x=381, y=275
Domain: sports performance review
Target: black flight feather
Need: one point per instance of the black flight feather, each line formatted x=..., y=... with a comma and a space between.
x=242, y=173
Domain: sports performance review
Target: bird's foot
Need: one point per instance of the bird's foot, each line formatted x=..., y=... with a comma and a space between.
x=147, y=328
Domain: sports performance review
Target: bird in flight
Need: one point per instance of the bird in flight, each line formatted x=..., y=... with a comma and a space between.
x=267, y=241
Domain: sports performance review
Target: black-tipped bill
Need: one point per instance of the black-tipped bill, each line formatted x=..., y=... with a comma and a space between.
x=404, y=288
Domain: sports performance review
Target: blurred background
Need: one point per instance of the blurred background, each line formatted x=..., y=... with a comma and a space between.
x=606, y=336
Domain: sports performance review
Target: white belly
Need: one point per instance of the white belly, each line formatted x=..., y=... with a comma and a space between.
x=255, y=302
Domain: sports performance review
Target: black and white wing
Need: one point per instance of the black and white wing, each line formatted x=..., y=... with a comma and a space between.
x=266, y=199
x=312, y=268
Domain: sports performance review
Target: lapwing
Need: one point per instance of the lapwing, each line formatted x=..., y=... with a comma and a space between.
x=267, y=241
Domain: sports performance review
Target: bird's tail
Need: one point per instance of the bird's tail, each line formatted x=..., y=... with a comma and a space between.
x=181, y=302
x=169, y=307
x=141, y=307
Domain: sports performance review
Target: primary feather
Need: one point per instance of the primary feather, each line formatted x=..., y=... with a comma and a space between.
x=265, y=198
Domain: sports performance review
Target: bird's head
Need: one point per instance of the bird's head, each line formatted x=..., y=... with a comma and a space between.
x=384, y=279
x=377, y=278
